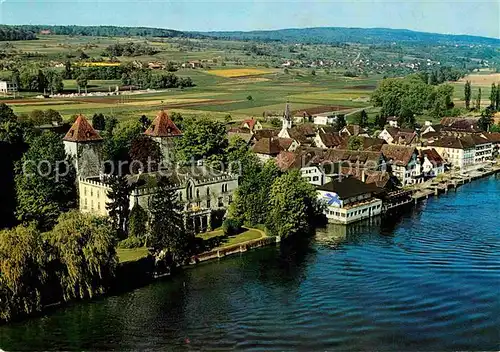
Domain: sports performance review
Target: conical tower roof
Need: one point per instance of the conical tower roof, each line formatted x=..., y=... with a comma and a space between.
x=163, y=126
x=82, y=131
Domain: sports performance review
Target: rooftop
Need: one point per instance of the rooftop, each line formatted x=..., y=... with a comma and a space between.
x=163, y=126
x=348, y=187
x=82, y=131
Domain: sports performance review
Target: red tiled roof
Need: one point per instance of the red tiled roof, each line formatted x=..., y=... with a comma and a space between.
x=163, y=126
x=285, y=143
x=400, y=155
x=266, y=133
x=285, y=160
x=331, y=140
x=433, y=156
x=269, y=146
x=250, y=122
x=82, y=131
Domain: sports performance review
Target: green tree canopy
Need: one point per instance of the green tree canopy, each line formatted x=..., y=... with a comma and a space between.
x=23, y=274
x=144, y=154
x=119, y=204
x=293, y=205
x=203, y=138
x=167, y=223
x=83, y=251
x=45, y=182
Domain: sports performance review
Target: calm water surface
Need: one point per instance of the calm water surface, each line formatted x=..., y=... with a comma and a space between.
x=428, y=281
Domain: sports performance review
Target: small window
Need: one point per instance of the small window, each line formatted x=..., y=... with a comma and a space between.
x=221, y=202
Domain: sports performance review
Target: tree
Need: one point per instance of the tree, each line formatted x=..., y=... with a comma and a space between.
x=15, y=78
x=486, y=119
x=44, y=117
x=68, y=74
x=54, y=81
x=293, y=205
x=441, y=100
x=45, y=182
x=145, y=122
x=23, y=274
x=119, y=203
x=118, y=142
x=380, y=121
x=137, y=226
x=41, y=81
x=167, y=223
x=497, y=100
x=478, y=100
x=340, y=122
x=83, y=255
x=144, y=154
x=355, y=143
x=467, y=91
x=250, y=205
x=99, y=121
x=203, y=138
x=82, y=81
x=361, y=118
x=13, y=145
x=493, y=95
x=6, y=114
x=249, y=98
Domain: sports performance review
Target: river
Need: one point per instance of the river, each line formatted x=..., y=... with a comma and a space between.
x=429, y=280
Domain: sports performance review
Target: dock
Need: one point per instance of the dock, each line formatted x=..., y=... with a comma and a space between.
x=436, y=187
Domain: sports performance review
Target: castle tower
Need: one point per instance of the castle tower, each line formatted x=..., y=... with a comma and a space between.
x=164, y=132
x=84, y=145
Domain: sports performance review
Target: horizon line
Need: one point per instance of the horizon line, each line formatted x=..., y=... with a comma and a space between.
x=252, y=30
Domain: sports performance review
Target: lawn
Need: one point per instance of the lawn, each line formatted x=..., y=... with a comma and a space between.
x=245, y=236
x=128, y=255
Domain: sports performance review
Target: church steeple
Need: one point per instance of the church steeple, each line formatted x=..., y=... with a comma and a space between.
x=287, y=120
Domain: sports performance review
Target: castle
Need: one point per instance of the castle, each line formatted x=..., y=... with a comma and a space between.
x=201, y=190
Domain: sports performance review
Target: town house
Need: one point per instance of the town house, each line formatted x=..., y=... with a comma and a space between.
x=404, y=163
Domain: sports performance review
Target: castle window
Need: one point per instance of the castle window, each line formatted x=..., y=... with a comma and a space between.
x=85, y=191
x=208, y=203
x=98, y=205
x=180, y=196
x=190, y=191
x=229, y=199
x=221, y=202
x=197, y=193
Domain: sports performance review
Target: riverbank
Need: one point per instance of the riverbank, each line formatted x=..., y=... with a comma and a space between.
x=425, y=280
x=452, y=180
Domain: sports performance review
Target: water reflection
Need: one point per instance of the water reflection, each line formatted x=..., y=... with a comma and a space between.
x=427, y=280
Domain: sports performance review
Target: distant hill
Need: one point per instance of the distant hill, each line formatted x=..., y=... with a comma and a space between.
x=102, y=31
x=331, y=35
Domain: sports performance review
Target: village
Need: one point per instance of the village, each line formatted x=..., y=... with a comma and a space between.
x=357, y=176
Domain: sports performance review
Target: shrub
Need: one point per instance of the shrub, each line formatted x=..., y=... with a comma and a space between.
x=231, y=227
x=131, y=242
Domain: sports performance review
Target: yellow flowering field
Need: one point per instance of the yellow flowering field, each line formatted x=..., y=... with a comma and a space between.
x=239, y=72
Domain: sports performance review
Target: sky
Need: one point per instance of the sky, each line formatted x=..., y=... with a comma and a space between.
x=453, y=17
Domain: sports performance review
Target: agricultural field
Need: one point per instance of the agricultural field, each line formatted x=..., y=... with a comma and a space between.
x=238, y=78
x=217, y=95
x=239, y=72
